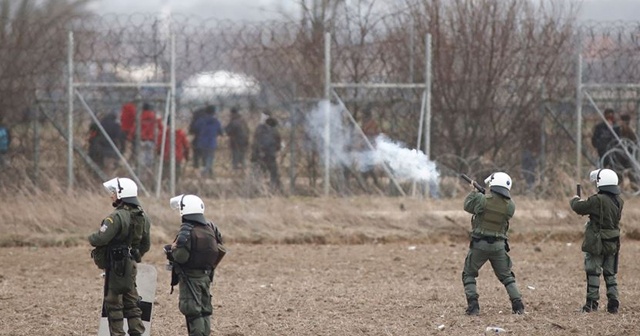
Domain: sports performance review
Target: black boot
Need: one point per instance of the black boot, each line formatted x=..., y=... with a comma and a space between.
x=517, y=307
x=590, y=306
x=612, y=306
x=473, y=307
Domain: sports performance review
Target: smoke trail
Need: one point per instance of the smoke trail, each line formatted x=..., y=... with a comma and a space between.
x=405, y=164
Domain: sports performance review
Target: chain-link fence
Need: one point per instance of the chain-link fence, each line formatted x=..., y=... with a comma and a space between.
x=503, y=91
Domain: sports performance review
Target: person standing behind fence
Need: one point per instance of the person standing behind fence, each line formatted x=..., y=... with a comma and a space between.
x=266, y=145
x=100, y=150
x=182, y=152
x=150, y=127
x=371, y=130
x=602, y=138
x=207, y=130
x=198, y=159
x=626, y=132
x=238, y=133
x=128, y=124
x=5, y=142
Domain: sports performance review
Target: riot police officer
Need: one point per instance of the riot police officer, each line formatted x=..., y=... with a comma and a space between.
x=601, y=244
x=120, y=243
x=490, y=225
x=195, y=253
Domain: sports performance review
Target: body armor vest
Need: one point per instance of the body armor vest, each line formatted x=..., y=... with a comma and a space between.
x=204, y=248
x=493, y=222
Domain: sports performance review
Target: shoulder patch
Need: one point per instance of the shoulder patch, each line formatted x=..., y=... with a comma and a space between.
x=105, y=224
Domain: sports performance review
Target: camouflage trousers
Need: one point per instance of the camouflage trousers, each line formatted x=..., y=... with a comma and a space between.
x=594, y=266
x=121, y=306
x=197, y=310
x=481, y=252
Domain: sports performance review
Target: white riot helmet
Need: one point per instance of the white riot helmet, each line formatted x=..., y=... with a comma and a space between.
x=499, y=183
x=187, y=204
x=124, y=189
x=606, y=180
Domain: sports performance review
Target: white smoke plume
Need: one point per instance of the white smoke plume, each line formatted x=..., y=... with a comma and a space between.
x=405, y=164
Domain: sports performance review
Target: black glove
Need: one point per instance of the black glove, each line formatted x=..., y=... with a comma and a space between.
x=167, y=252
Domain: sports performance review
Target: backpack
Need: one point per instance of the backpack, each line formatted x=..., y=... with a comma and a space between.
x=4, y=140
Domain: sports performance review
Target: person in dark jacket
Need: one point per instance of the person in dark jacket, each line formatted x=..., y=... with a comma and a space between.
x=194, y=255
x=238, y=133
x=604, y=137
x=207, y=129
x=198, y=159
x=100, y=150
x=266, y=145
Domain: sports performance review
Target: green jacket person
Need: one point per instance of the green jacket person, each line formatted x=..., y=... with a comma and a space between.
x=121, y=241
x=490, y=226
x=195, y=253
x=601, y=242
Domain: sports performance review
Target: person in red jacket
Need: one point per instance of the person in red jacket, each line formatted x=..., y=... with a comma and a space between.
x=128, y=123
x=182, y=151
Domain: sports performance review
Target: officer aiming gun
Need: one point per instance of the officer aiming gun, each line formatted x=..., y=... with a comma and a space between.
x=475, y=184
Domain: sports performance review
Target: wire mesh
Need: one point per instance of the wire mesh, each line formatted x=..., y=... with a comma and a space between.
x=503, y=83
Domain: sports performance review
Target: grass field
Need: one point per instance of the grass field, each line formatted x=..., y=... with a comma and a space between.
x=309, y=266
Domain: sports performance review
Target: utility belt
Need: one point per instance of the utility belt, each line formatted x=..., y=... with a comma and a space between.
x=197, y=272
x=120, y=257
x=487, y=239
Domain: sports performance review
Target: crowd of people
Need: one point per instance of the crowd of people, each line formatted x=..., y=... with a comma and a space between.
x=205, y=129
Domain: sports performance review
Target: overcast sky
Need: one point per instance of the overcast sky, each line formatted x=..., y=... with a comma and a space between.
x=603, y=10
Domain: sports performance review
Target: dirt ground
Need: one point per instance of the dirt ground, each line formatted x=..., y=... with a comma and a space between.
x=366, y=289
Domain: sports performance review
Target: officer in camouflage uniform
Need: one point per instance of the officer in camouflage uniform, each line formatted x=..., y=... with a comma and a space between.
x=490, y=225
x=601, y=238
x=120, y=243
x=195, y=253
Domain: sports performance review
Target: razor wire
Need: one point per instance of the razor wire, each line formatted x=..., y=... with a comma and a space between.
x=482, y=110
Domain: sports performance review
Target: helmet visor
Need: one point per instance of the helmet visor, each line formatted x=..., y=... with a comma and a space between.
x=488, y=180
x=176, y=202
x=112, y=186
x=593, y=175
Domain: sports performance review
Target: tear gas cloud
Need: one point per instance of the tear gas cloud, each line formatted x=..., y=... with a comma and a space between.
x=405, y=164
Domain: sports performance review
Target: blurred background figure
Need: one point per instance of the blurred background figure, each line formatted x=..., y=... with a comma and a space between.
x=207, y=129
x=197, y=156
x=238, y=132
x=371, y=130
x=150, y=128
x=100, y=150
x=5, y=142
x=128, y=125
x=630, y=141
x=602, y=138
x=182, y=152
x=266, y=145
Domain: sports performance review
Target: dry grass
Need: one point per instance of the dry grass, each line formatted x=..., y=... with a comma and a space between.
x=55, y=219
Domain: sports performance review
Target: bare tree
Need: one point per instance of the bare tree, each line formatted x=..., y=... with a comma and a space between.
x=493, y=59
